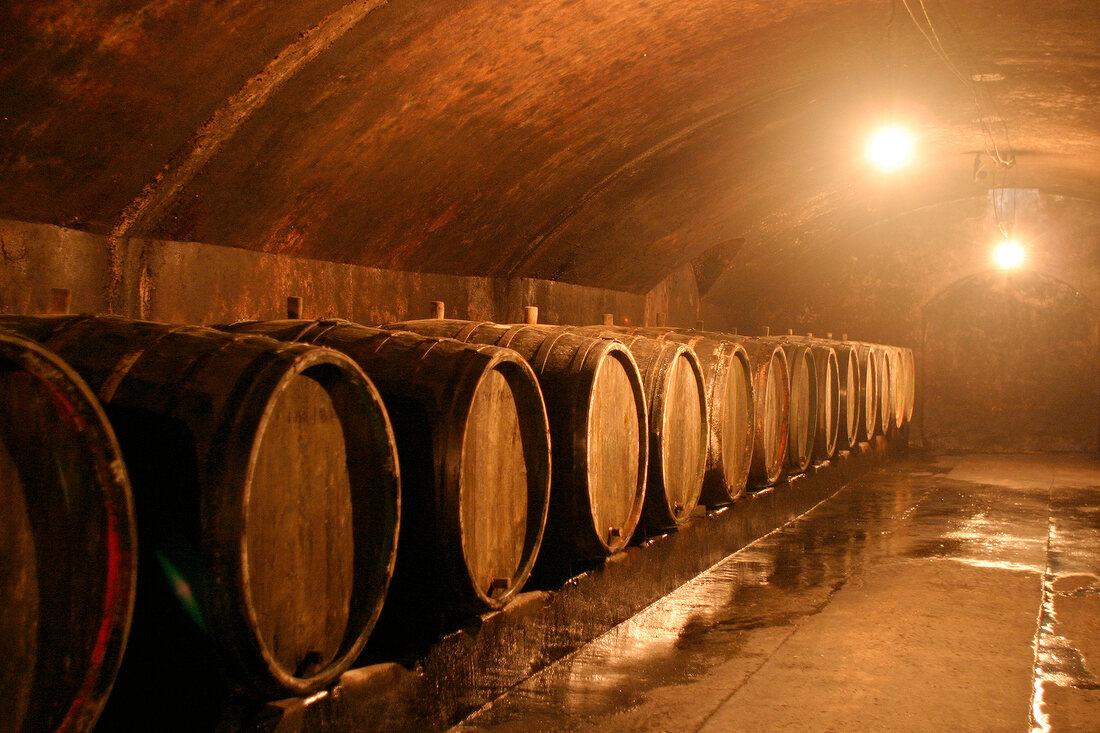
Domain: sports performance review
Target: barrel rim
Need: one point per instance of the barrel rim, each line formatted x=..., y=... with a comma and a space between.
x=896, y=378
x=230, y=553
x=802, y=463
x=851, y=435
x=598, y=351
x=773, y=469
x=868, y=398
x=910, y=384
x=885, y=397
x=665, y=367
x=826, y=444
x=94, y=429
x=738, y=354
x=521, y=377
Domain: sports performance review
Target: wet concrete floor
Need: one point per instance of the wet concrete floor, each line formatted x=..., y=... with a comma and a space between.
x=935, y=593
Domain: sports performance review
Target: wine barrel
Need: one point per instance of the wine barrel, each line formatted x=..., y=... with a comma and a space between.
x=68, y=561
x=910, y=389
x=897, y=385
x=676, y=394
x=802, y=423
x=728, y=378
x=828, y=399
x=474, y=442
x=267, y=494
x=771, y=397
x=869, y=390
x=885, y=391
x=598, y=430
x=850, y=380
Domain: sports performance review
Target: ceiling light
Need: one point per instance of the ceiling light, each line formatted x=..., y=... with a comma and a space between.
x=890, y=148
x=1008, y=255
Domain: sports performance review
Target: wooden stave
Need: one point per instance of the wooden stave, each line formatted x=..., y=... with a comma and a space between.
x=566, y=365
x=402, y=364
x=124, y=362
x=80, y=710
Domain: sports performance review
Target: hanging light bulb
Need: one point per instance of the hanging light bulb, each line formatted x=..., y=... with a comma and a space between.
x=890, y=148
x=1009, y=255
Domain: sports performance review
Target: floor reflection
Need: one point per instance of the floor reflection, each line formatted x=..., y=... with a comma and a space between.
x=988, y=512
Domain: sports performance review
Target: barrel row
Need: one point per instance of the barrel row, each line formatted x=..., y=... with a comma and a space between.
x=270, y=473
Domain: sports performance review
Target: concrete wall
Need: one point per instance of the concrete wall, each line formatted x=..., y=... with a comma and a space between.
x=1010, y=363
x=187, y=282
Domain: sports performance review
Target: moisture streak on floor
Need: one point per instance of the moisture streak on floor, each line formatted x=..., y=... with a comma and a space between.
x=942, y=593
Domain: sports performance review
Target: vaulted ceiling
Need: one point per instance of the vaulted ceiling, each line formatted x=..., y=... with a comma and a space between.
x=601, y=142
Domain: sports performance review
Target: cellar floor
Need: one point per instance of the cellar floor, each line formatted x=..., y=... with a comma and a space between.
x=937, y=592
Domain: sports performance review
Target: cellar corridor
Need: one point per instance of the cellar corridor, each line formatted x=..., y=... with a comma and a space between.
x=938, y=592
x=555, y=365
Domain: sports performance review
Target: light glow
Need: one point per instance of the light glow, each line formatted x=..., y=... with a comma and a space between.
x=890, y=148
x=1008, y=255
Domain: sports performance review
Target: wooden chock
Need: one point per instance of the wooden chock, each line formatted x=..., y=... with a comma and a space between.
x=294, y=307
x=60, y=301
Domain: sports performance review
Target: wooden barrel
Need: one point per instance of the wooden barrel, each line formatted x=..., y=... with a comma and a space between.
x=897, y=385
x=885, y=391
x=828, y=399
x=598, y=431
x=869, y=390
x=728, y=377
x=771, y=407
x=267, y=494
x=676, y=394
x=474, y=441
x=68, y=560
x=849, y=380
x=802, y=423
x=910, y=389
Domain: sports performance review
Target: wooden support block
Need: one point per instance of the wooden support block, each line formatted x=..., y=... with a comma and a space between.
x=60, y=301
x=294, y=307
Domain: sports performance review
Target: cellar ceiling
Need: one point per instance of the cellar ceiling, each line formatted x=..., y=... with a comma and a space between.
x=601, y=143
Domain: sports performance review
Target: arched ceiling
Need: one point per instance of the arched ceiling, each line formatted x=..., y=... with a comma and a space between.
x=603, y=142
